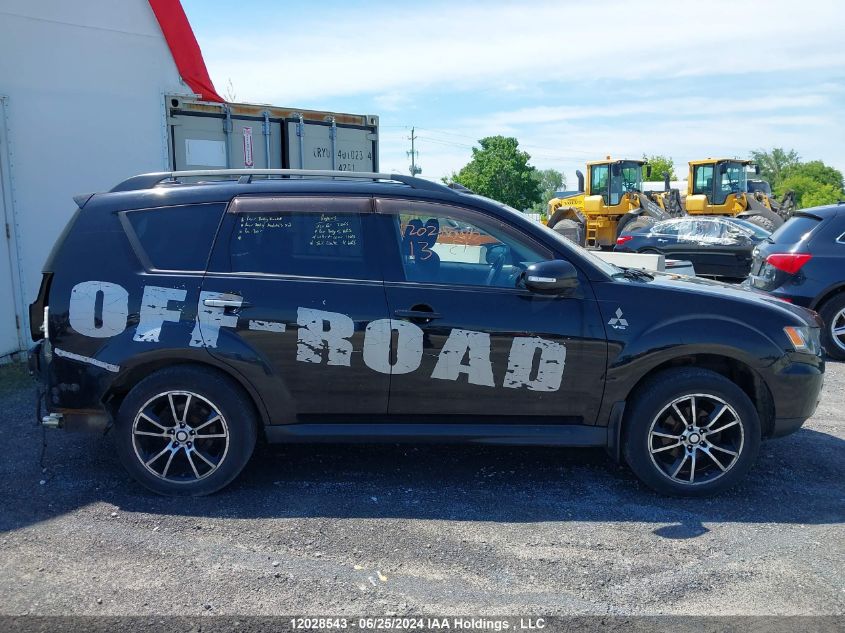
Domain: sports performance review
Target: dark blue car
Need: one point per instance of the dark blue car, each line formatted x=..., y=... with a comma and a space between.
x=804, y=263
x=716, y=246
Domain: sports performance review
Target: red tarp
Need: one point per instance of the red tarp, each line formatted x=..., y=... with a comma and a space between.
x=184, y=47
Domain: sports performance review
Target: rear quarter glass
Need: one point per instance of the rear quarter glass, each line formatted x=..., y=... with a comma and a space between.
x=173, y=238
x=796, y=230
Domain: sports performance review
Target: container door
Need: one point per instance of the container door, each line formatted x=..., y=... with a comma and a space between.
x=200, y=142
x=9, y=338
x=311, y=147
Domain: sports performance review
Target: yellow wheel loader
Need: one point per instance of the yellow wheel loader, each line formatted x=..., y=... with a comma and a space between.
x=611, y=201
x=719, y=186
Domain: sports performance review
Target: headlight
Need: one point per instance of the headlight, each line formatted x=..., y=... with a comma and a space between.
x=804, y=338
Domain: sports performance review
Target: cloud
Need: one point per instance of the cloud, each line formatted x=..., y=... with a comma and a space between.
x=446, y=46
x=572, y=81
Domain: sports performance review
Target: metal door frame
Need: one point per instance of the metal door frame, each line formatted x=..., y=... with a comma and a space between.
x=7, y=190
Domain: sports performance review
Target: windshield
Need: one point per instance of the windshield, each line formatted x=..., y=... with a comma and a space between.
x=626, y=176
x=731, y=179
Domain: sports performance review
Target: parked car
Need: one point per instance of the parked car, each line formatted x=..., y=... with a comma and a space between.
x=195, y=318
x=804, y=263
x=716, y=246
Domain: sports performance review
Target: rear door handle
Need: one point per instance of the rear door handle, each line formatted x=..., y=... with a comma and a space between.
x=416, y=314
x=225, y=300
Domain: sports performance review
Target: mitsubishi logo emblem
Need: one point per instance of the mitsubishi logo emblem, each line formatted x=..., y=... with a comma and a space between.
x=618, y=322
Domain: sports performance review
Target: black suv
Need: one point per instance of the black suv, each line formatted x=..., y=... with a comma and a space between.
x=803, y=262
x=195, y=317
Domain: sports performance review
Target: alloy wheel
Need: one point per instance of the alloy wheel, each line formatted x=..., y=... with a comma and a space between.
x=696, y=439
x=180, y=436
x=837, y=329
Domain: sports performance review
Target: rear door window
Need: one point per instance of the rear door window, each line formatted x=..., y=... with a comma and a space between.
x=796, y=229
x=300, y=237
x=173, y=238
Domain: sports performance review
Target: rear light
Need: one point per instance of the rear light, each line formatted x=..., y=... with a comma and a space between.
x=789, y=263
x=624, y=238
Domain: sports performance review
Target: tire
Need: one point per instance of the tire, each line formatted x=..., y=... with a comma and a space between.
x=571, y=230
x=832, y=313
x=198, y=457
x=762, y=221
x=559, y=215
x=629, y=224
x=654, y=458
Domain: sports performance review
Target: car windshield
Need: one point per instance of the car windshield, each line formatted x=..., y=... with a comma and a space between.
x=607, y=268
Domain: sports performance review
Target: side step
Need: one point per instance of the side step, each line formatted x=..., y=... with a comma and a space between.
x=505, y=434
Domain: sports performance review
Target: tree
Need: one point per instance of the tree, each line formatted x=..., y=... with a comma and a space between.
x=499, y=170
x=813, y=182
x=551, y=181
x=818, y=171
x=774, y=164
x=659, y=166
x=809, y=192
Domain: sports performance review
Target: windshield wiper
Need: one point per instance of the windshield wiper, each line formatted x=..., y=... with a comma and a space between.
x=633, y=273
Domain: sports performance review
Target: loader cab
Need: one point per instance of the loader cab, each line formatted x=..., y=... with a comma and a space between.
x=613, y=179
x=718, y=180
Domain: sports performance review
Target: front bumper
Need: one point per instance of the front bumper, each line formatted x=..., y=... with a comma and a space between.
x=796, y=391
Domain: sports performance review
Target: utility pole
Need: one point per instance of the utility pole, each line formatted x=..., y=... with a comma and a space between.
x=414, y=168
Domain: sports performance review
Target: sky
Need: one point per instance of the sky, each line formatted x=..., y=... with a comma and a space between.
x=572, y=81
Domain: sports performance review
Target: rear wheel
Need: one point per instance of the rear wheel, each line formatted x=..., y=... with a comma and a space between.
x=185, y=431
x=691, y=432
x=833, y=334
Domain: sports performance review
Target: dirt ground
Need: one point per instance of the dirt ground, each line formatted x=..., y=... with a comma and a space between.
x=418, y=529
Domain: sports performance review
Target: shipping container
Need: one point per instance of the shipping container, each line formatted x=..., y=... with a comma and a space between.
x=203, y=135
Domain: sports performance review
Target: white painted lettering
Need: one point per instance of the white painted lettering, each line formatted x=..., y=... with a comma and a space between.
x=154, y=312
x=83, y=308
x=461, y=344
x=409, y=346
x=521, y=364
x=314, y=338
x=209, y=321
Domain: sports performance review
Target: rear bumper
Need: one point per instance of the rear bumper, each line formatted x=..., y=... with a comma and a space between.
x=39, y=360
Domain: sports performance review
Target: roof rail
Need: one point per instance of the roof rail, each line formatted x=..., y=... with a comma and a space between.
x=148, y=181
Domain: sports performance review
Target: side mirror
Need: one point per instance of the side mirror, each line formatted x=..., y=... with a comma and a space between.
x=757, y=170
x=615, y=169
x=551, y=277
x=648, y=171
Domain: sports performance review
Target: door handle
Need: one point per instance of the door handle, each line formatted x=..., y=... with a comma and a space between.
x=427, y=315
x=225, y=300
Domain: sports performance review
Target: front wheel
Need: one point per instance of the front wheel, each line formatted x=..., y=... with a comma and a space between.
x=691, y=432
x=185, y=431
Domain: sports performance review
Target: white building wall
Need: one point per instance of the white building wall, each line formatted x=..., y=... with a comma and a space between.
x=84, y=84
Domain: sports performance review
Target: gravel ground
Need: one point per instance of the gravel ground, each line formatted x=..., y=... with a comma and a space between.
x=418, y=529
